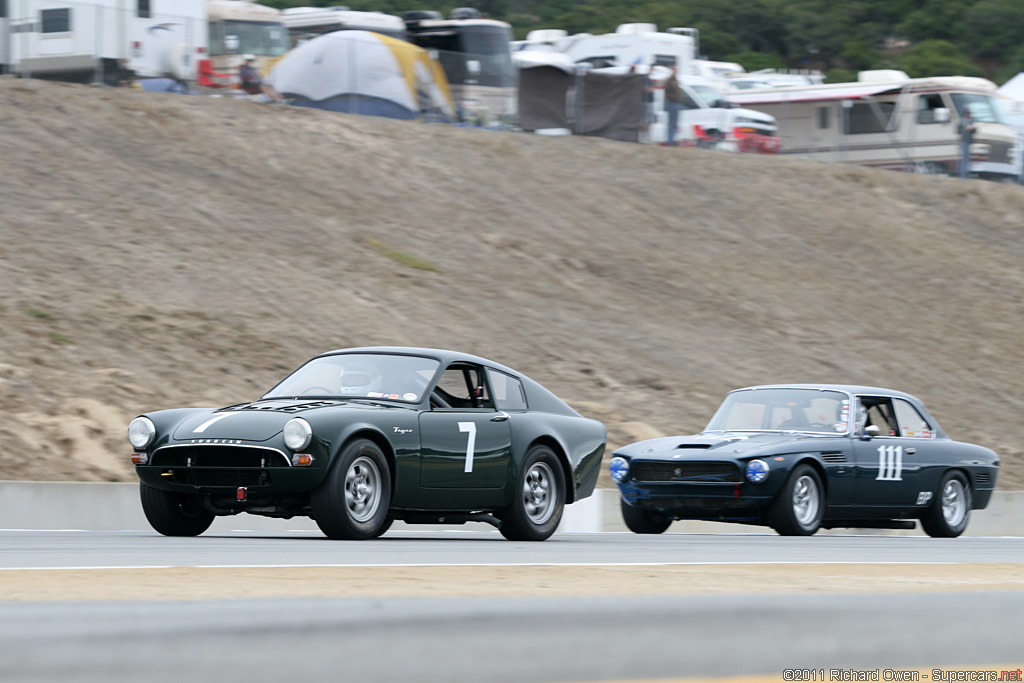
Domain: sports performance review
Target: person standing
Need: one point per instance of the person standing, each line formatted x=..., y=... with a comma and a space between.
x=674, y=99
x=967, y=130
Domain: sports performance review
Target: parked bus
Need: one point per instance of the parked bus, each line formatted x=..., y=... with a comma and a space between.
x=304, y=23
x=475, y=54
x=238, y=28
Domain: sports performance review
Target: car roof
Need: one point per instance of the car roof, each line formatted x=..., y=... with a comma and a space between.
x=848, y=388
x=443, y=355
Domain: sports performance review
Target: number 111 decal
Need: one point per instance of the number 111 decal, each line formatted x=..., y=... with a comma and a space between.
x=890, y=463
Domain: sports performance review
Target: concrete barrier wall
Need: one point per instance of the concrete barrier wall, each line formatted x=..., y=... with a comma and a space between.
x=115, y=506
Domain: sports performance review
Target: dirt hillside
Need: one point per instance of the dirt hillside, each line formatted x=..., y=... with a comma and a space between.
x=161, y=251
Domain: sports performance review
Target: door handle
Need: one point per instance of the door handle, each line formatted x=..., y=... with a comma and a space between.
x=502, y=416
x=910, y=451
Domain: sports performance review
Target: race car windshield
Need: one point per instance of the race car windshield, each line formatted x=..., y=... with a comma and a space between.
x=360, y=375
x=801, y=410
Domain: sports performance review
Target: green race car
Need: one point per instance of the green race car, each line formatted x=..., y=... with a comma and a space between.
x=357, y=438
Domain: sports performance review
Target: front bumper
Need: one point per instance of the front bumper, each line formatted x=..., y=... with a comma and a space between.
x=743, y=501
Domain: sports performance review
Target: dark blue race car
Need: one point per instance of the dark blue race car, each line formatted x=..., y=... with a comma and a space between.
x=802, y=457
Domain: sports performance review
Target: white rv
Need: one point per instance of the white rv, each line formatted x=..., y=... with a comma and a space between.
x=103, y=40
x=239, y=27
x=304, y=23
x=888, y=120
x=708, y=118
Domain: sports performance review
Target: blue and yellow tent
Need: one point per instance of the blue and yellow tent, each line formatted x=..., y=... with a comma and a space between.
x=362, y=72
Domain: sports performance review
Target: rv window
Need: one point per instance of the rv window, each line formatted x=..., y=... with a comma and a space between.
x=870, y=117
x=3, y=9
x=664, y=60
x=983, y=108
x=56, y=20
x=823, y=117
x=598, y=62
x=142, y=10
x=926, y=106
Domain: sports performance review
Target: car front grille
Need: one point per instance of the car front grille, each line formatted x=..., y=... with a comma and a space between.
x=693, y=471
x=219, y=465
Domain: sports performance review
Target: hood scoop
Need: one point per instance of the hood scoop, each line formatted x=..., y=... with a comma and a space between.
x=284, y=406
x=698, y=446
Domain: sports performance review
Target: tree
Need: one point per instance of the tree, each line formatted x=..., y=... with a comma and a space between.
x=937, y=58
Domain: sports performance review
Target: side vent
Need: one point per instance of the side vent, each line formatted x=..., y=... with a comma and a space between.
x=833, y=456
x=982, y=479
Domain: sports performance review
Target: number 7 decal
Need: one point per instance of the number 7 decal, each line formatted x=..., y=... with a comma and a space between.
x=471, y=442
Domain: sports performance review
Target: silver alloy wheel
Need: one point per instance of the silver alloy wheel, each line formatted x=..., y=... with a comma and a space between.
x=538, y=493
x=362, y=489
x=805, y=500
x=954, y=502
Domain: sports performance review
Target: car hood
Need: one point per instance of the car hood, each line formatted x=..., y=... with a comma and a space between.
x=722, y=445
x=257, y=421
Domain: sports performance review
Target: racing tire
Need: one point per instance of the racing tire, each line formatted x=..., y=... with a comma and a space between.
x=799, y=507
x=174, y=514
x=351, y=504
x=643, y=521
x=948, y=515
x=538, y=498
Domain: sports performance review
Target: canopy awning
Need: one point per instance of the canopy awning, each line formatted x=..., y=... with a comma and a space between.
x=852, y=91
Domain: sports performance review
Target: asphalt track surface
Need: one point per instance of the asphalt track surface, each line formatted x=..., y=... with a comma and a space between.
x=537, y=639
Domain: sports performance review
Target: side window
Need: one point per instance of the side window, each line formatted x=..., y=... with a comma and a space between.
x=911, y=422
x=822, y=118
x=55, y=20
x=508, y=391
x=463, y=386
x=142, y=10
x=870, y=117
x=926, y=106
x=880, y=414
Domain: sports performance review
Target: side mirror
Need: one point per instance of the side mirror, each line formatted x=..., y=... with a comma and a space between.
x=941, y=115
x=870, y=432
x=473, y=66
x=231, y=43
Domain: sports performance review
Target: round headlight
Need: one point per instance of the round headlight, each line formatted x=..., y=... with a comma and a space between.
x=141, y=432
x=297, y=434
x=619, y=468
x=757, y=471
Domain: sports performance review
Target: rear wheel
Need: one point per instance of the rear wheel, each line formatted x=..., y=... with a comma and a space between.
x=352, y=502
x=539, y=498
x=948, y=515
x=174, y=514
x=798, y=508
x=643, y=521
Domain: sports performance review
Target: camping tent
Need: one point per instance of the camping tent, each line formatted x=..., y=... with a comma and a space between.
x=362, y=72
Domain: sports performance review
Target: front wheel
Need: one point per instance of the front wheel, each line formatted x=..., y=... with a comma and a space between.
x=352, y=502
x=539, y=498
x=799, y=507
x=174, y=514
x=948, y=515
x=643, y=521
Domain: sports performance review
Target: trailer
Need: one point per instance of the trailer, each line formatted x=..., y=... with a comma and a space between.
x=107, y=41
x=887, y=120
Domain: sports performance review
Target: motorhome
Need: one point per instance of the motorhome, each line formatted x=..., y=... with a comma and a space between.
x=304, y=23
x=238, y=28
x=475, y=54
x=888, y=120
x=102, y=40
